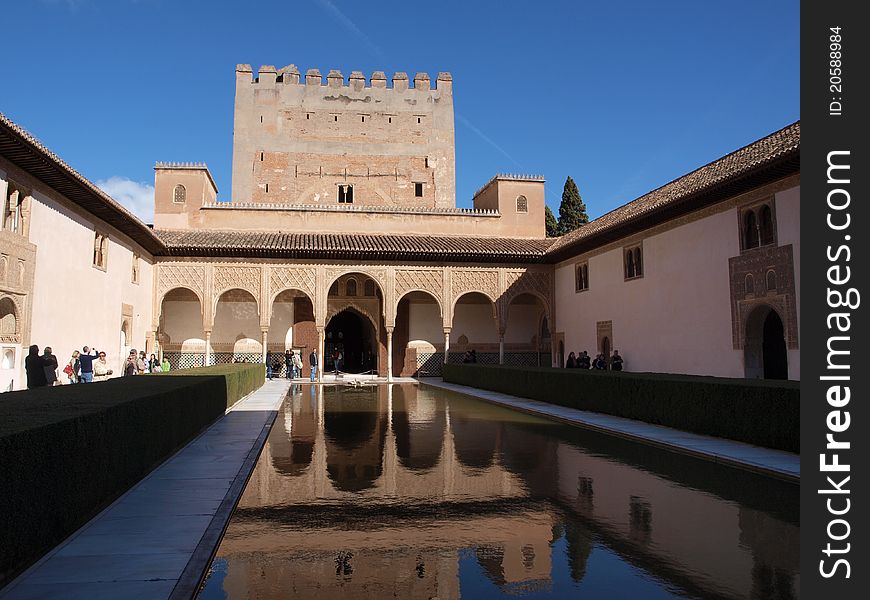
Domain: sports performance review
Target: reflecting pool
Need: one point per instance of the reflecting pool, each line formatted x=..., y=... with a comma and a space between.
x=409, y=491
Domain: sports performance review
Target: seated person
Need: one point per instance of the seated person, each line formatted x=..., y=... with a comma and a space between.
x=616, y=361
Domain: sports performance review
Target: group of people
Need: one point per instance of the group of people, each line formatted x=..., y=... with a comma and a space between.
x=86, y=366
x=584, y=361
x=291, y=360
x=470, y=357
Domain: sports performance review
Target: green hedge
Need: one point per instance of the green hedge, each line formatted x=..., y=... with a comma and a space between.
x=241, y=378
x=764, y=413
x=67, y=452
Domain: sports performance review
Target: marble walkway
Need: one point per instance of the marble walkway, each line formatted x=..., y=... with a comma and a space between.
x=776, y=463
x=158, y=538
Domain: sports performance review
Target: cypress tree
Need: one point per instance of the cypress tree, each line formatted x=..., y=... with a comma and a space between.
x=550, y=222
x=572, y=211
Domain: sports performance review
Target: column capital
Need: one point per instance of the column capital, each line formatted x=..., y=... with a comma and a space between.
x=447, y=330
x=389, y=329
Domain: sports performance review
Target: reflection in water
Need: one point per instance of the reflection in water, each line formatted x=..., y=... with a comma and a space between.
x=409, y=492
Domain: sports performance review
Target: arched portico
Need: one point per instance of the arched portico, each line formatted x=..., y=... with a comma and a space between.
x=419, y=336
x=180, y=330
x=354, y=324
x=521, y=330
x=291, y=326
x=474, y=328
x=236, y=334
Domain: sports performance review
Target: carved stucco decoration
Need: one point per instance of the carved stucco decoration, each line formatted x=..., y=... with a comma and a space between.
x=427, y=280
x=357, y=306
x=173, y=276
x=464, y=281
x=296, y=278
x=233, y=277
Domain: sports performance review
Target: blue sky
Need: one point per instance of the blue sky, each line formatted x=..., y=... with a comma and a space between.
x=622, y=96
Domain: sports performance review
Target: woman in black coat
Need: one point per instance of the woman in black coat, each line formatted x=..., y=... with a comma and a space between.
x=34, y=365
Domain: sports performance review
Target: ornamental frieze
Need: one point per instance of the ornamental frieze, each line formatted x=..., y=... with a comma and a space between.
x=292, y=278
x=233, y=277
x=427, y=280
x=464, y=281
x=171, y=276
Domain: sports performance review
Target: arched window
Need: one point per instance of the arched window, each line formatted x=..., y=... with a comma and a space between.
x=522, y=204
x=771, y=281
x=582, y=277
x=179, y=195
x=350, y=287
x=333, y=289
x=629, y=264
x=638, y=263
x=369, y=288
x=766, y=225
x=750, y=231
x=8, y=322
x=749, y=283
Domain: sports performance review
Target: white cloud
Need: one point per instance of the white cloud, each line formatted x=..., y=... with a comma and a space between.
x=137, y=197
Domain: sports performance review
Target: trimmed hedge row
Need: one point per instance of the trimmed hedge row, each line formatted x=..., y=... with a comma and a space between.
x=764, y=413
x=241, y=378
x=67, y=452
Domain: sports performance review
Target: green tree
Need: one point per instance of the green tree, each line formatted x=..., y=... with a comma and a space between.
x=572, y=211
x=550, y=222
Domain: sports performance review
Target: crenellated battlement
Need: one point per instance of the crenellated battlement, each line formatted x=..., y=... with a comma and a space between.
x=509, y=177
x=180, y=165
x=268, y=75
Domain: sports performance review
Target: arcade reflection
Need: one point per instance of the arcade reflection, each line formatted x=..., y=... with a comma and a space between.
x=413, y=492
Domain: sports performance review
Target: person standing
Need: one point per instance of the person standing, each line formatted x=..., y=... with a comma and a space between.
x=297, y=365
x=571, y=362
x=72, y=367
x=154, y=364
x=101, y=368
x=142, y=363
x=130, y=365
x=269, y=365
x=288, y=364
x=616, y=361
x=86, y=360
x=164, y=366
x=50, y=367
x=34, y=365
x=312, y=361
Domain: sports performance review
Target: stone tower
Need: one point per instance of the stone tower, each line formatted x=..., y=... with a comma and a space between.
x=345, y=143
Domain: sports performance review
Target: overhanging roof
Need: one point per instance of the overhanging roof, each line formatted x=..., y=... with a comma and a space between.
x=255, y=244
x=29, y=154
x=764, y=161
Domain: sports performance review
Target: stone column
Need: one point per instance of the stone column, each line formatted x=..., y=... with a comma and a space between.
x=501, y=347
x=446, y=344
x=207, y=347
x=320, y=357
x=265, y=343
x=389, y=354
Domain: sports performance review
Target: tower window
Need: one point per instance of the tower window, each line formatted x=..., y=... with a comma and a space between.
x=418, y=190
x=267, y=188
x=522, y=204
x=389, y=119
x=308, y=116
x=345, y=194
x=419, y=120
x=179, y=195
x=335, y=118
x=261, y=156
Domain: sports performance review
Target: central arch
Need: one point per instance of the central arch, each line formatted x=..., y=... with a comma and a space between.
x=353, y=334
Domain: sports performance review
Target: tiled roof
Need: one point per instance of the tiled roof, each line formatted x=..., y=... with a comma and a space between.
x=763, y=161
x=25, y=151
x=352, y=246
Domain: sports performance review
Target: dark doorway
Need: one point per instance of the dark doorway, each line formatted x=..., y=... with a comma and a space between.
x=774, y=354
x=351, y=334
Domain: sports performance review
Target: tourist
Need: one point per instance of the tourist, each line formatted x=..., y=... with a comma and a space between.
x=130, y=367
x=466, y=358
x=101, y=368
x=34, y=365
x=473, y=356
x=616, y=361
x=600, y=363
x=288, y=364
x=154, y=364
x=164, y=366
x=50, y=367
x=571, y=363
x=72, y=367
x=297, y=365
x=312, y=361
x=86, y=361
x=584, y=362
x=142, y=363
x=336, y=361
x=269, y=365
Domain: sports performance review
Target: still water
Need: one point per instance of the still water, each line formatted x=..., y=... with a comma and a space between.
x=409, y=491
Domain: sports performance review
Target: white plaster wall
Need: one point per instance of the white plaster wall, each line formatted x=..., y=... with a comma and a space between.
x=235, y=320
x=281, y=325
x=476, y=322
x=74, y=303
x=522, y=323
x=788, y=231
x=182, y=321
x=676, y=318
x=425, y=324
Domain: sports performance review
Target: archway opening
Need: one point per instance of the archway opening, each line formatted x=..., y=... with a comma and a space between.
x=291, y=327
x=525, y=328
x=765, y=354
x=474, y=328
x=236, y=336
x=351, y=334
x=418, y=338
x=180, y=331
